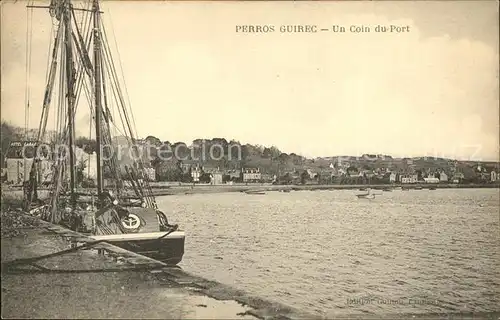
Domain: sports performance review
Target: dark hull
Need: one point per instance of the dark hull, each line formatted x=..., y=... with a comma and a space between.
x=169, y=251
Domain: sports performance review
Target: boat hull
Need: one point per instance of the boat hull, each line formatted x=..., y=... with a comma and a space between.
x=162, y=246
x=365, y=196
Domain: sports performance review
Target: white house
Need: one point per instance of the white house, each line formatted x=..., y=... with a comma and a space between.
x=251, y=174
x=392, y=177
x=409, y=178
x=216, y=178
x=431, y=180
x=443, y=177
x=494, y=176
x=195, y=174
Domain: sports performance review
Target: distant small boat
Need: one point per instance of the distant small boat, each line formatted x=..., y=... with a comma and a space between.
x=285, y=190
x=254, y=192
x=418, y=188
x=366, y=196
x=432, y=188
x=387, y=189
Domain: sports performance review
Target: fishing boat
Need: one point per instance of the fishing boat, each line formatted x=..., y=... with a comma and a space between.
x=368, y=195
x=255, y=192
x=120, y=207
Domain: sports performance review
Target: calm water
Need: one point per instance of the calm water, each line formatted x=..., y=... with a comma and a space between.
x=330, y=253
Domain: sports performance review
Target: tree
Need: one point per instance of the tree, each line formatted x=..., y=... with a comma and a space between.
x=419, y=175
x=245, y=152
x=352, y=169
x=8, y=134
x=180, y=150
x=287, y=178
x=304, y=176
x=186, y=177
x=153, y=141
x=205, y=178
x=88, y=145
x=80, y=169
x=283, y=158
x=266, y=153
x=275, y=152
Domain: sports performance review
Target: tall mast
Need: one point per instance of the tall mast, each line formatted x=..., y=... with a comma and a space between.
x=70, y=76
x=98, y=106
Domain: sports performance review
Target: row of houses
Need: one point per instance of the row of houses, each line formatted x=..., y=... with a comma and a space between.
x=17, y=171
x=247, y=175
x=18, y=167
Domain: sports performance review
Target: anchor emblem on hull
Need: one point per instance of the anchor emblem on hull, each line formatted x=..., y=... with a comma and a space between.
x=131, y=221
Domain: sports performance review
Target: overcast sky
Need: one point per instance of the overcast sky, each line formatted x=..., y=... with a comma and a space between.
x=189, y=74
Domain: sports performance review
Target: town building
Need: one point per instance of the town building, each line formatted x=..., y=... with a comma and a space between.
x=267, y=177
x=196, y=173
x=458, y=177
x=216, y=178
x=18, y=170
x=443, y=177
x=251, y=174
x=311, y=174
x=19, y=160
x=233, y=174
x=393, y=177
x=431, y=180
x=214, y=172
x=409, y=178
x=150, y=174
x=494, y=176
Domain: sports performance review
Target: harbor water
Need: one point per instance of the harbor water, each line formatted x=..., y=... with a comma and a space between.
x=330, y=253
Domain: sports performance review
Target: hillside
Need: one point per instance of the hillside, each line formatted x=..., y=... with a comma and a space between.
x=224, y=154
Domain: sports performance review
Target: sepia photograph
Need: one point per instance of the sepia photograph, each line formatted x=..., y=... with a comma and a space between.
x=250, y=159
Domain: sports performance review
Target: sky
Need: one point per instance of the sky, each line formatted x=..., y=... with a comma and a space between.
x=433, y=90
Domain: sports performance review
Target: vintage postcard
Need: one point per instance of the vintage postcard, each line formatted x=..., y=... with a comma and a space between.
x=250, y=159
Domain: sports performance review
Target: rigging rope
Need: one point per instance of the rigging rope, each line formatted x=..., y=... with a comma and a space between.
x=29, y=37
x=121, y=70
x=84, y=78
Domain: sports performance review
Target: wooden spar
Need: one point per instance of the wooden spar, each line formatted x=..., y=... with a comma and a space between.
x=70, y=76
x=97, y=85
